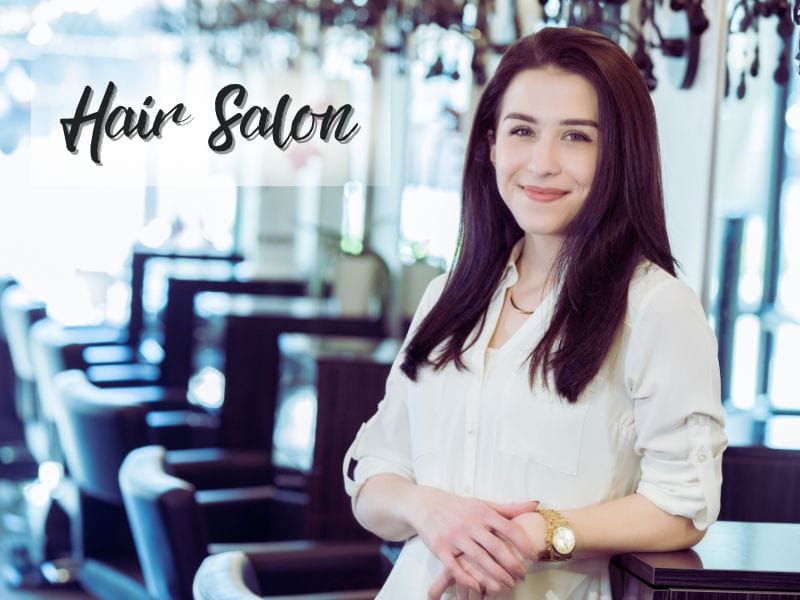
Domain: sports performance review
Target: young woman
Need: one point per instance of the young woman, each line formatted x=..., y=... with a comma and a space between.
x=557, y=399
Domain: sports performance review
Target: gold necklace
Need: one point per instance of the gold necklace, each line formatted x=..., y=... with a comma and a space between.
x=517, y=308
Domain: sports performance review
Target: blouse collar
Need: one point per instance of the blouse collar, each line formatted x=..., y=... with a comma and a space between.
x=510, y=276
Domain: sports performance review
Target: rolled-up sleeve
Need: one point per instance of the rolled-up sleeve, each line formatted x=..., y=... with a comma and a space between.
x=383, y=444
x=672, y=374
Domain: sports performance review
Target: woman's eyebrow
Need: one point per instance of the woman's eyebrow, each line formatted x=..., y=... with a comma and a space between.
x=530, y=119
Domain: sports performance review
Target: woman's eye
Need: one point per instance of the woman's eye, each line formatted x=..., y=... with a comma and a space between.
x=521, y=131
x=577, y=136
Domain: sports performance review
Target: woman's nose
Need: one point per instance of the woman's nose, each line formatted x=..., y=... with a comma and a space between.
x=544, y=158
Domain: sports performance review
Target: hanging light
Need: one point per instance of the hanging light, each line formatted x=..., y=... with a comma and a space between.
x=644, y=27
x=743, y=56
x=645, y=33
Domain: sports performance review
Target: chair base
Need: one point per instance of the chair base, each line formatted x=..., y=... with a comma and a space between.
x=20, y=572
x=16, y=462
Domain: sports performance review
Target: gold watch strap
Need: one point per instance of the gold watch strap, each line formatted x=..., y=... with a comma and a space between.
x=554, y=520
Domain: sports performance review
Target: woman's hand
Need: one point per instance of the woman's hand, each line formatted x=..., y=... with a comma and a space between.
x=535, y=528
x=479, y=544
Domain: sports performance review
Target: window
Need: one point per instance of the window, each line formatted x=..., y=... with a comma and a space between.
x=755, y=285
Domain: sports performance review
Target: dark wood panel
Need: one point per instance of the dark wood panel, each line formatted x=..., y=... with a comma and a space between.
x=141, y=255
x=625, y=586
x=730, y=595
x=348, y=392
x=252, y=361
x=733, y=556
x=179, y=318
x=760, y=484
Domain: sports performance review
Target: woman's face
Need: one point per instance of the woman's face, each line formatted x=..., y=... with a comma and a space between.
x=545, y=148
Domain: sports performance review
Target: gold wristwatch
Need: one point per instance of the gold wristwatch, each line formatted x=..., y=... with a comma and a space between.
x=560, y=539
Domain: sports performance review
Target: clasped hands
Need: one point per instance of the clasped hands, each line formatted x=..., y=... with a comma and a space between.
x=484, y=546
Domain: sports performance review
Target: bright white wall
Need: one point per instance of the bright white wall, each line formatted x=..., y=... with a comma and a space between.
x=687, y=133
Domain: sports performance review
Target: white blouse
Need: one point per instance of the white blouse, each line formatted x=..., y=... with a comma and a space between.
x=650, y=422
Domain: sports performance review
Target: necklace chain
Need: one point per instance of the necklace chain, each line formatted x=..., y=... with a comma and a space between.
x=515, y=307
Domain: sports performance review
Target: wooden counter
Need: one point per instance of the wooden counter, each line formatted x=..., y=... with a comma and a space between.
x=735, y=561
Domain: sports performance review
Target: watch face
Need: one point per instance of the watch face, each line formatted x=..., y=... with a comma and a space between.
x=563, y=541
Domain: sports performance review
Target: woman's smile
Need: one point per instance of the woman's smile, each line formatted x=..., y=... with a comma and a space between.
x=539, y=194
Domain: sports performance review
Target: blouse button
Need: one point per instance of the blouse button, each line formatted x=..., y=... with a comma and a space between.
x=702, y=457
x=466, y=489
x=470, y=429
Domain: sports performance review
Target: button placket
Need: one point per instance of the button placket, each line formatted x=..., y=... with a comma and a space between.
x=471, y=439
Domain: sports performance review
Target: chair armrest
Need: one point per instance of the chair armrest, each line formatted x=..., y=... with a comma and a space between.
x=153, y=397
x=226, y=576
x=311, y=567
x=105, y=354
x=174, y=429
x=214, y=468
x=125, y=375
x=260, y=513
x=290, y=479
x=232, y=575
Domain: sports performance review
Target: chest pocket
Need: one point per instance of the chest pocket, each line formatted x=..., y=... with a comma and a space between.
x=542, y=427
x=425, y=413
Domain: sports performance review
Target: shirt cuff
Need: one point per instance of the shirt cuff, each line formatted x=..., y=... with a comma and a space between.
x=364, y=467
x=688, y=487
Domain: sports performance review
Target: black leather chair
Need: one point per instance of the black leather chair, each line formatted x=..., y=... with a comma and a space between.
x=41, y=348
x=91, y=348
x=19, y=311
x=98, y=427
x=16, y=461
x=237, y=574
x=174, y=525
x=41, y=555
x=55, y=348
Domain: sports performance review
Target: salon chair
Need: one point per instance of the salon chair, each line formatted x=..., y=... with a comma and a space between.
x=45, y=523
x=16, y=461
x=46, y=348
x=55, y=348
x=176, y=526
x=19, y=311
x=17, y=465
x=95, y=347
x=98, y=427
x=238, y=574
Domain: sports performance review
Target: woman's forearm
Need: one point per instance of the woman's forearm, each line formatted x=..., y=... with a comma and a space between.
x=484, y=532
x=629, y=524
x=382, y=506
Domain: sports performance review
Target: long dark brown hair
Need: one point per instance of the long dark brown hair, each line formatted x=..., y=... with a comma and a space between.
x=621, y=222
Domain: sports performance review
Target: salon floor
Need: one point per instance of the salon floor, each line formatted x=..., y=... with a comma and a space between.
x=11, y=534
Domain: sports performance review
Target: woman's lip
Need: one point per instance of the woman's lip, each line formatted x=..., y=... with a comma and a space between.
x=542, y=194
